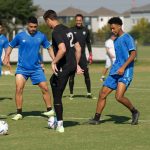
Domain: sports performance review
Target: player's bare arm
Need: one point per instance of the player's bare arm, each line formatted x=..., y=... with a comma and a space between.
x=6, y=60
x=51, y=53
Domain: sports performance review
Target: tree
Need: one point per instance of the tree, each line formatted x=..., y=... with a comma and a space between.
x=141, y=31
x=20, y=9
x=46, y=30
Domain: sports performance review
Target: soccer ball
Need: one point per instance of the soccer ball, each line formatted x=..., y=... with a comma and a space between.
x=52, y=122
x=3, y=127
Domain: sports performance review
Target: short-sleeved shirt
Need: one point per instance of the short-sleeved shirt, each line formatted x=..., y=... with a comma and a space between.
x=62, y=34
x=29, y=47
x=3, y=45
x=123, y=46
x=110, y=45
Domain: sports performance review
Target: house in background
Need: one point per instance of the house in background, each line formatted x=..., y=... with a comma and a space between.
x=100, y=17
x=69, y=13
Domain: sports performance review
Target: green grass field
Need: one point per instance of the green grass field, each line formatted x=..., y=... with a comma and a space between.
x=114, y=133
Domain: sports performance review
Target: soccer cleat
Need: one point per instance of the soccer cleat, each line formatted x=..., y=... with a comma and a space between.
x=93, y=122
x=60, y=129
x=135, y=117
x=90, y=96
x=49, y=113
x=17, y=117
x=71, y=96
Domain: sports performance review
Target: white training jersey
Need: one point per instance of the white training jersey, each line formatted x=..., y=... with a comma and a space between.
x=110, y=45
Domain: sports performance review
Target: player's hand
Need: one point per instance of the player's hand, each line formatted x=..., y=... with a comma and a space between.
x=54, y=68
x=90, y=59
x=79, y=70
x=121, y=71
x=6, y=61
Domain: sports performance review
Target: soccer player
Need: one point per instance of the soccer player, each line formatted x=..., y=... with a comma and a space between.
x=82, y=35
x=110, y=55
x=67, y=54
x=121, y=72
x=3, y=45
x=28, y=66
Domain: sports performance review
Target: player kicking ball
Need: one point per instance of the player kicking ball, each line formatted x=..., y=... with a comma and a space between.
x=121, y=73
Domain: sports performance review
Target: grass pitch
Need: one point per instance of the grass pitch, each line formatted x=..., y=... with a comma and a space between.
x=114, y=133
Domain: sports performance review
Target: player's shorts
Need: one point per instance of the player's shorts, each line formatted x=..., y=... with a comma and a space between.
x=37, y=76
x=112, y=81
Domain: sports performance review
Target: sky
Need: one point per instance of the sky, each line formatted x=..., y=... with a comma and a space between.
x=90, y=5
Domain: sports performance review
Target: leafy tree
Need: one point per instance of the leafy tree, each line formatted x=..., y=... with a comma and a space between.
x=18, y=9
x=141, y=31
x=46, y=30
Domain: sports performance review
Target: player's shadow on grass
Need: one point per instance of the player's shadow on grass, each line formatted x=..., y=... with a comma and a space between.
x=117, y=119
x=3, y=98
x=31, y=114
x=70, y=123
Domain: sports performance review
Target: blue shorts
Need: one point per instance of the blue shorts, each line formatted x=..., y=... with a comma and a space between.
x=36, y=76
x=112, y=81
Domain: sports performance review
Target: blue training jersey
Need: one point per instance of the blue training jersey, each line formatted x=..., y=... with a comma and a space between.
x=123, y=45
x=29, y=48
x=3, y=44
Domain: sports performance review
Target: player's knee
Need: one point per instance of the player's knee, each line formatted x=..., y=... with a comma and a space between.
x=45, y=89
x=118, y=98
x=19, y=90
x=102, y=95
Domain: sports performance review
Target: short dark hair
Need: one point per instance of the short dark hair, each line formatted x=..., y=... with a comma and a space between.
x=32, y=19
x=51, y=14
x=115, y=20
x=79, y=15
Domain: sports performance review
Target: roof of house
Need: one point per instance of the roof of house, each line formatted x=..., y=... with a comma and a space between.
x=102, y=11
x=71, y=11
x=142, y=9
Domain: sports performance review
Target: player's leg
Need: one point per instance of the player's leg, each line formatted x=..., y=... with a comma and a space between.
x=47, y=99
x=38, y=78
x=71, y=85
x=121, y=89
x=107, y=65
x=105, y=91
x=58, y=84
x=20, y=83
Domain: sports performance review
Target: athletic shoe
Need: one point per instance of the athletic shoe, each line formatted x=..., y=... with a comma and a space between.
x=93, y=122
x=135, y=117
x=102, y=79
x=60, y=129
x=49, y=113
x=90, y=96
x=17, y=117
x=71, y=96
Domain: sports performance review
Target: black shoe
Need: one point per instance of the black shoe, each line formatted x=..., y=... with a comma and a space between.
x=135, y=117
x=93, y=122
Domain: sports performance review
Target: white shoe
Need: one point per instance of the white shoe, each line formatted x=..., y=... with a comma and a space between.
x=17, y=117
x=71, y=96
x=49, y=113
x=60, y=129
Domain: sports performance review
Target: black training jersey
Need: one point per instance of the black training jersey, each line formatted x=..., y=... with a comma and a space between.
x=62, y=34
x=82, y=35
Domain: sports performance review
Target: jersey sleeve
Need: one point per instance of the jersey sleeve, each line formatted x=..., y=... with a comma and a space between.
x=57, y=38
x=130, y=43
x=14, y=42
x=45, y=42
